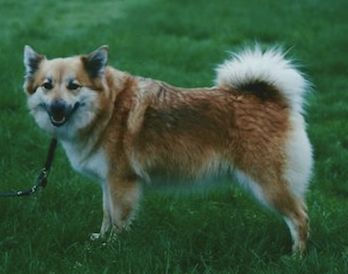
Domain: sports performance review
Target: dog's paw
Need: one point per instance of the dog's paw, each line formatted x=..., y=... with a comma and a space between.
x=95, y=236
x=98, y=237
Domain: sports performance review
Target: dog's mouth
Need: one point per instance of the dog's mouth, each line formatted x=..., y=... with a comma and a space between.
x=59, y=112
x=58, y=120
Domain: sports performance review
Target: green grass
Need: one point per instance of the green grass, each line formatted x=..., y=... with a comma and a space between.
x=180, y=42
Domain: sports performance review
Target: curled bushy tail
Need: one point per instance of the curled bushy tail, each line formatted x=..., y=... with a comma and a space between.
x=267, y=67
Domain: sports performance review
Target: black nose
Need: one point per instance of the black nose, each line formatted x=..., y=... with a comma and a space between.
x=58, y=109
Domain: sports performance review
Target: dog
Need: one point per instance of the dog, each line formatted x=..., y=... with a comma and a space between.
x=126, y=131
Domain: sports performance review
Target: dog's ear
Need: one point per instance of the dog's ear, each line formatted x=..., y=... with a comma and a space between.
x=32, y=61
x=95, y=62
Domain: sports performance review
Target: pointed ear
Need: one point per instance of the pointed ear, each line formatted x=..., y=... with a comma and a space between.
x=95, y=62
x=32, y=61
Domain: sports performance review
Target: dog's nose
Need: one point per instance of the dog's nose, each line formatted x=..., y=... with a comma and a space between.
x=58, y=108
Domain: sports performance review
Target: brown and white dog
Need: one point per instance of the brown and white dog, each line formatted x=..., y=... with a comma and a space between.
x=124, y=130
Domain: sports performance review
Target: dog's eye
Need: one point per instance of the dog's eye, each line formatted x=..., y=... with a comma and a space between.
x=47, y=85
x=73, y=86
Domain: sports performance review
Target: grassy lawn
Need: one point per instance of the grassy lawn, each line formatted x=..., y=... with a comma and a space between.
x=222, y=231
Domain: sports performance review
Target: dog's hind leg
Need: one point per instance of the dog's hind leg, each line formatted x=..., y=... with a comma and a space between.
x=294, y=212
x=276, y=194
x=297, y=173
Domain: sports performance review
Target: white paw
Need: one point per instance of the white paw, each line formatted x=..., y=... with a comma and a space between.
x=95, y=236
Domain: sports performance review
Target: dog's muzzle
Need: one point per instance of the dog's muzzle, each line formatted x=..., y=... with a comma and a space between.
x=59, y=112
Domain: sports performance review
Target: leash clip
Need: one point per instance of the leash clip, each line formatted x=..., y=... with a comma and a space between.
x=41, y=179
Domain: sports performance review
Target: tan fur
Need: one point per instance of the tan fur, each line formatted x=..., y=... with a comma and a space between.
x=148, y=129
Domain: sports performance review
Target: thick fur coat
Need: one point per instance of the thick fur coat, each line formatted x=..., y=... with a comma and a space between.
x=124, y=130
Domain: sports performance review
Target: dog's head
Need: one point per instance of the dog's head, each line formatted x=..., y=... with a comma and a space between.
x=64, y=94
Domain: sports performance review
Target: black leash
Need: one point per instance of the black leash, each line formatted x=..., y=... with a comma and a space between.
x=41, y=179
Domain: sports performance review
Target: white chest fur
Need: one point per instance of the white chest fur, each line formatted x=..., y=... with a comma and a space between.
x=82, y=160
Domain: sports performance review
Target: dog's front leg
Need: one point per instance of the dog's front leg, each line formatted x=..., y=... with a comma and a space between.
x=124, y=193
x=107, y=215
x=120, y=201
